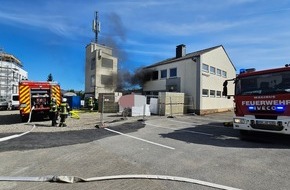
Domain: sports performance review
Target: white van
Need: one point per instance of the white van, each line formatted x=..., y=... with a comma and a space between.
x=13, y=102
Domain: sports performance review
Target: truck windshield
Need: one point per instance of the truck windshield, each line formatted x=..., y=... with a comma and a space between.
x=273, y=83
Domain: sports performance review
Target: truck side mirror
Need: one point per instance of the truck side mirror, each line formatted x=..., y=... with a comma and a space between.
x=225, y=88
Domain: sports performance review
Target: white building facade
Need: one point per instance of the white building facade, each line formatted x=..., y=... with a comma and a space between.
x=11, y=72
x=200, y=75
x=101, y=70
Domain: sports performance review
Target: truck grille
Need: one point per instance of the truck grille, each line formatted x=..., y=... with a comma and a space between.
x=273, y=117
x=269, y=127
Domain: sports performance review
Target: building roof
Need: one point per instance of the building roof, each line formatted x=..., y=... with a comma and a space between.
x=188, y=56
x=9, y=58
x=100, y=45
x=69, y=94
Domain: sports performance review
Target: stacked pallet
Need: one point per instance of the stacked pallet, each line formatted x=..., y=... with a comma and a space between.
x=171, y=103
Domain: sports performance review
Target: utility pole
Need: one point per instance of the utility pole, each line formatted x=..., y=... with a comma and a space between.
x=1, y=70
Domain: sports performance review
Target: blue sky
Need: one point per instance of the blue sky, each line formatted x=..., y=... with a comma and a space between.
x=49, y=36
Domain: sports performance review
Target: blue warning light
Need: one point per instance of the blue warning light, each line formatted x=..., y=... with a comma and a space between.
x=280, y=108
x=251, y=108
x=242, y=71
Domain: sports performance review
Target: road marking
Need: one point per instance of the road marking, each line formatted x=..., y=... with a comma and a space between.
x=225, y=137
x=188, y=131
x=164, y=146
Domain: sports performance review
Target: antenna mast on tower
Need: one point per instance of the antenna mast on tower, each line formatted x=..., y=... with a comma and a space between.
x=96, y=26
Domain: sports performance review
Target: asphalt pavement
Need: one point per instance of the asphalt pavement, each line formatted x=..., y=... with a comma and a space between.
x=189, y=146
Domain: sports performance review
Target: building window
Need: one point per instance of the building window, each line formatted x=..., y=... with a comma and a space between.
x=218, y=94
x=212, y=70
x=93, y=64
x=154, y=75
x=224, y=74
x=212, y=93
x=163, y=74
x=107, y=63
x=107, y=80
x=205, y=67
x=147, y=77
x=205, y=92
x=93, y=78
x=173, y=72
x=218, y=72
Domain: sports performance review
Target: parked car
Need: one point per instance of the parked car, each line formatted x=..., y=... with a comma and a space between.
x=13, y=102
x=3, y=104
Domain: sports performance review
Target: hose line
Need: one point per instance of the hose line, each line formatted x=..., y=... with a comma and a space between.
x=19, y=135
x=73, y=179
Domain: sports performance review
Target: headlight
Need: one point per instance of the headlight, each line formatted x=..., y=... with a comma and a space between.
x=239, y=120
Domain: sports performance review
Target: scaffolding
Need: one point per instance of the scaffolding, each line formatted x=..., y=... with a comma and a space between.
x=9, y=74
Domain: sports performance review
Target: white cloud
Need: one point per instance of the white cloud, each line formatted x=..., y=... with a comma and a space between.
x=140, y=4
x=149, y=53
x=57, y=24
x=190, y=28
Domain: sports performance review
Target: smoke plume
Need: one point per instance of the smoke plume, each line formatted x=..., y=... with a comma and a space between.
x=116, y=38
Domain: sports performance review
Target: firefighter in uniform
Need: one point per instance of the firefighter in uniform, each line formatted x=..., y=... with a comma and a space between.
x=91, y=103
x=63, y=112
x=53, y=111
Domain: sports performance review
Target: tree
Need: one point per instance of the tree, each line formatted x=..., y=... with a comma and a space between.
x=50, y=78
x=81, y=94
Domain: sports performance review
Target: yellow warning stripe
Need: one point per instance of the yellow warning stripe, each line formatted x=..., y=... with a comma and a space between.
x=56, y=93
x=24, y=98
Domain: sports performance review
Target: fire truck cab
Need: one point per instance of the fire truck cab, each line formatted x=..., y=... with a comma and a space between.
x=262, y=100
x=35, y=97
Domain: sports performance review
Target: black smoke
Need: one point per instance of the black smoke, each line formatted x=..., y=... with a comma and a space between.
x=116, y=37
x=133, y=80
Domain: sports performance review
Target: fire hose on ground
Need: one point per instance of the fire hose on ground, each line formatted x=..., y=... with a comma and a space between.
x=19, y=135
x=73, y=179
x=73, y=114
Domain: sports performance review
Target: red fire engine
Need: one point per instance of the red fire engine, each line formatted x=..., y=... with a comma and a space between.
x=262, y=100
x=37, y=95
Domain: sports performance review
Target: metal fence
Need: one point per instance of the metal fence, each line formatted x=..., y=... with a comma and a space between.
x=108, y=103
